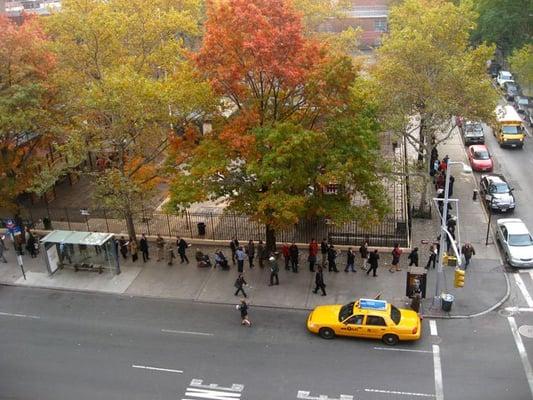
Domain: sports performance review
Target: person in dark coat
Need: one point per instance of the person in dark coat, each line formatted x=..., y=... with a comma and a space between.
x=250, y=252
x=260, y=253
x=294, y=255
x=243, y=308
x=468, y=251
x=350, y=261
x=286, y=255
x=182, y=245
x=332, y=257
x=239, y=283
x=30, y=245
x=373, y=262
x=413, y=257
x=123, y=246
x=233, y=245
x=319, y=281
x=432, y=256
x=143, y=245
x=324, y=246
x=363, y=250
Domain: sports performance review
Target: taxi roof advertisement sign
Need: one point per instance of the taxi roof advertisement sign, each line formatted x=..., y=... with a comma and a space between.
x=371, y=304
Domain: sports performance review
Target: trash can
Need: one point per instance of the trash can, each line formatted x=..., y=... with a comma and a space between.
x=447, y=301
x=201, y=228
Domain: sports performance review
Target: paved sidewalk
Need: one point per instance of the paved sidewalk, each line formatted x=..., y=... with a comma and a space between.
x=485, y=286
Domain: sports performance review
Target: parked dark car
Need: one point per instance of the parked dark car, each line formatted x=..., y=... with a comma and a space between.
x=522, y=103
x=511, y=90
x=473, y=133
x=496, y=193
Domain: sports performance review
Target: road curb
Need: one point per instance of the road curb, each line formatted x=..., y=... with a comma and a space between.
x=481, y=313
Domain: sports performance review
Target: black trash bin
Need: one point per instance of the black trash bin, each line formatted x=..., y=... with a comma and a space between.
x=201, y=228
x=447, y=301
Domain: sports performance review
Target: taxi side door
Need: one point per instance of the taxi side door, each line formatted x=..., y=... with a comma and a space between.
x=353, y=326
x=375, y=327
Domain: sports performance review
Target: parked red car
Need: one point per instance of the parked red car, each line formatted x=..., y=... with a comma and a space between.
x=480, y=158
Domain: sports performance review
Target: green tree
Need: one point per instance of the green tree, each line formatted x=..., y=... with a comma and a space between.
x=124, y=69
x=427, y=73
x=506, y=23
x=295, y=126
x=521, y=62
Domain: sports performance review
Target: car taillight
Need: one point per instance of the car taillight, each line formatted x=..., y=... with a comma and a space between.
x=415, y=330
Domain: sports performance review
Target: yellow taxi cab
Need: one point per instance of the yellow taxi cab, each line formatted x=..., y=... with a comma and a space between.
x=366, y=318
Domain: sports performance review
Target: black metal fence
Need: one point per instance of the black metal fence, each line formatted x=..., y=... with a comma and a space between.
x=219, y=226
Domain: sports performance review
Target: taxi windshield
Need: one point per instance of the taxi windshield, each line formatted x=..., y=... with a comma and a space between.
x=395, y=314
x=346, y=311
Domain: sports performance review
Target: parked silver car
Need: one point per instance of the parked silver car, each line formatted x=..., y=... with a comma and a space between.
x=516, y=242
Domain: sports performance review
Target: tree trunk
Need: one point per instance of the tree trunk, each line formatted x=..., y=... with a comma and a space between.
x=130, y=225
x=270, y=238
x=421, y=142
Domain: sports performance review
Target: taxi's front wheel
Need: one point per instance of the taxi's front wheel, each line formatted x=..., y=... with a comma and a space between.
x=391, y=340
x=326, y=333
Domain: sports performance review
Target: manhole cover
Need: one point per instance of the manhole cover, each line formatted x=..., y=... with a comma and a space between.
x=526, y=330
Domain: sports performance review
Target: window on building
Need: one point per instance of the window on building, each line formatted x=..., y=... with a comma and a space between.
x=380, y=25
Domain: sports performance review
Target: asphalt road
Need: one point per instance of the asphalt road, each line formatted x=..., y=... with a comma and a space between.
x=69, y=345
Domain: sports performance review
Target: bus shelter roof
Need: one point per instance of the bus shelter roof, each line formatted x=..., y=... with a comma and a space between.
x=76, y=237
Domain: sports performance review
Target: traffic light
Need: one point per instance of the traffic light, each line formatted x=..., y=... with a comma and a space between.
x=449, y=260
x=459, y=280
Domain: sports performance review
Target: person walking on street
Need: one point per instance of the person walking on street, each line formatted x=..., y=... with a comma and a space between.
x=286, y=254
x=260, y=253
x=134, y=250
x=250, y=252
x=30, y=244
x=233, y=245
x=396, y=253
x=144, y=247
x=313, y=251
x=274, y=269
x=413, y=257
x=240, y=255
x=160, y=244
x=468, y=251
x=123, y=246
x=182, y=246
x=350, y=261
x=432, y=256
x=332, y=257
x=373, y=262
x=363, y=250
x=324, y=247
x=243, y=308
x=239, y=284
x=169, y=251
x=319, y=281
x=2, y=249
x=294, y=253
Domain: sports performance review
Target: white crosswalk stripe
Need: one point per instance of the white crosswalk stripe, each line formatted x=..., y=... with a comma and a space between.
x=523, y=289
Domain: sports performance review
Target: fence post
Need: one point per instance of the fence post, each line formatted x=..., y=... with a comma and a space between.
x=188, y=218
x=212, y=227
x=68, y=219
x=106, y=223
x=168, y=224
x=234, y=224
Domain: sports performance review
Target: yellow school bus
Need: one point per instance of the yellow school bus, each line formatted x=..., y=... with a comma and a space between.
x=509, y=130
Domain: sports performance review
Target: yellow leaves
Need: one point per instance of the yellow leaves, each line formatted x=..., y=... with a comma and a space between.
x=143, y=175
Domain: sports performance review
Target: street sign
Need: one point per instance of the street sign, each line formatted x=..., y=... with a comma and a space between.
x=10, y=224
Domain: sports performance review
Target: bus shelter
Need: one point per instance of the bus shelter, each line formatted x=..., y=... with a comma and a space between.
x=86, y=251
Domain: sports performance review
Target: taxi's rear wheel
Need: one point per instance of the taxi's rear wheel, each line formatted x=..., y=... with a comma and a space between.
x=390, y=340
x=326, y=333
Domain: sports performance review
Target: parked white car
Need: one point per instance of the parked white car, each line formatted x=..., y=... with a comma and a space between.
x=504, y=76
x=516, y=242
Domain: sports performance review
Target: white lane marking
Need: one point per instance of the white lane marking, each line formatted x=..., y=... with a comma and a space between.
x=19, y=315
x=439, y=392
x=397, y=349
x=523, y=289
x=530, y=274
x=305, y=395
x=522, y=351
x=433, y=327
x=187, y=332
x=520, y=309
x=177, y=371
x=396, y=392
